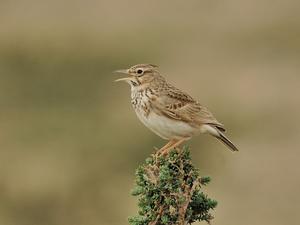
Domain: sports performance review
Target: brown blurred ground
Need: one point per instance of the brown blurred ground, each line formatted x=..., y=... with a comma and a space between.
x=70, y=142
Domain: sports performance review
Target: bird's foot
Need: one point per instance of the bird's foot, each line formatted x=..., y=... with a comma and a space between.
x=166, y=149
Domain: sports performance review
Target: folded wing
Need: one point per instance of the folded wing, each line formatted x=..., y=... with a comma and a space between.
x=178, y=105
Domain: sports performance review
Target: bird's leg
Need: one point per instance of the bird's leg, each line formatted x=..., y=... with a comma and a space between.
x=174, y=145
x=171, y=142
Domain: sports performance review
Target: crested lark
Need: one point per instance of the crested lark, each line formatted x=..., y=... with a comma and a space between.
x=169, y=112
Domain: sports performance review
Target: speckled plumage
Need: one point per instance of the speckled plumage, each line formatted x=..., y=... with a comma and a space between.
x=167, y=111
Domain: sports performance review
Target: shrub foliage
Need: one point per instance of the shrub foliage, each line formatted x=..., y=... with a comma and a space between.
x=169, y=191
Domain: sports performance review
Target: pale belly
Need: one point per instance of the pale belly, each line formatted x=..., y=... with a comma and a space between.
x=167, y=128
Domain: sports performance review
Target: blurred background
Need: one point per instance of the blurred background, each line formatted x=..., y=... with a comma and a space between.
x=70, y=141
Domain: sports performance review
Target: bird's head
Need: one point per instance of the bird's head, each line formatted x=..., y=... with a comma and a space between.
x=139, y=75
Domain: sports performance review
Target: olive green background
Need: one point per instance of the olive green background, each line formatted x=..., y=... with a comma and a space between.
x=70, y=141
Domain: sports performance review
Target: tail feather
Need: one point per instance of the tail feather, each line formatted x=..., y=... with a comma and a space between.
x=214, y=131
x=227, y=142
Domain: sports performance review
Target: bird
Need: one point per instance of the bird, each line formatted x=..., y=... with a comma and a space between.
x=168, y=111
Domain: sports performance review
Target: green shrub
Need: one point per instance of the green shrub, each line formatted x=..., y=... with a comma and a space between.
x=169, y=192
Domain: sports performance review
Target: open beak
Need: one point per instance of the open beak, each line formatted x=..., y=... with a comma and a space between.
x=125, y=78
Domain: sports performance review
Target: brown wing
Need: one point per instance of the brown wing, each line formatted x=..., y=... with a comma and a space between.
x=178, y=105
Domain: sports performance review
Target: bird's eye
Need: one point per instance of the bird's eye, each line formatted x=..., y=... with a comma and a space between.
x=139, y=71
